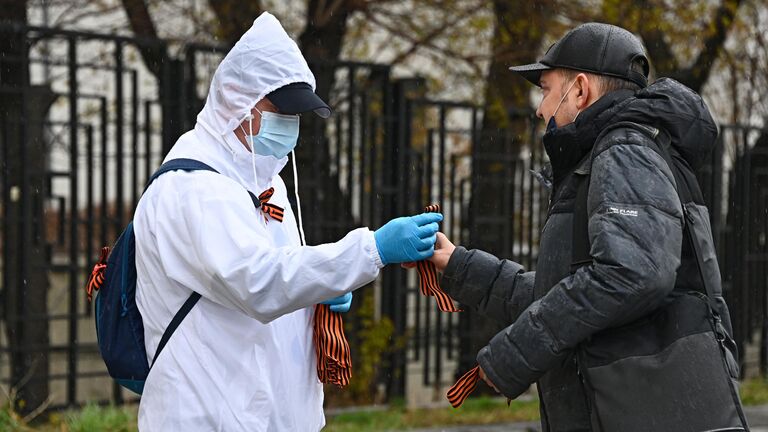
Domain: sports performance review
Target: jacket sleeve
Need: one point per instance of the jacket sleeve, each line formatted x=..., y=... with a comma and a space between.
x=497, y=288
x=213, y=240
x=635, y=232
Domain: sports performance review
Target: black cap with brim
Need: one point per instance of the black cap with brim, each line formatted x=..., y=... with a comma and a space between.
x=298, y=98
x=531, y=72
x=598, y=48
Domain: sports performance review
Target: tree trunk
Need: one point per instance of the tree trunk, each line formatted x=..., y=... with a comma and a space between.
x=321, y=43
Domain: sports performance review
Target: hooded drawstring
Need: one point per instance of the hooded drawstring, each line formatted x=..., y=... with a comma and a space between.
x=298, y=201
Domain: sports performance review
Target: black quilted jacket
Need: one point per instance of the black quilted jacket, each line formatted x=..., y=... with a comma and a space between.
x=635, y=232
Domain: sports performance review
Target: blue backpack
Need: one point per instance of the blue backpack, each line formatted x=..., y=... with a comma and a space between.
x=119, y=328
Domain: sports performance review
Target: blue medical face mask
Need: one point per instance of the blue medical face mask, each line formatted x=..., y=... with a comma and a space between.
x=277, y=135
x=551, y=124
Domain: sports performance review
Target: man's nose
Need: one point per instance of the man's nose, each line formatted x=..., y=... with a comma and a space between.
x=539, y=114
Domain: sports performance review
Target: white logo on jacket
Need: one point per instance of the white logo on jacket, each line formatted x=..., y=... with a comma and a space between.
x=622, y=212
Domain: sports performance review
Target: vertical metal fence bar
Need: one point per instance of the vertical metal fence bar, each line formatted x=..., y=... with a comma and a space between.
x=104, y=134
x=327, y=219
x=74, y=222
x=134, y=138
x=119, y=172
x=5, y=202
x=147, y=140
x=426, y=330
x=119, y=139
x=441, y=332
x=364, y=172
x=351, y=140
x=89, y=237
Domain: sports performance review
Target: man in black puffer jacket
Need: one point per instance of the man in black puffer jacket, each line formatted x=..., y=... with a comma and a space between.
x=592, y=79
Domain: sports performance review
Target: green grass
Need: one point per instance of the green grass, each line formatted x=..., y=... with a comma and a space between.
x=475, y=411
x=91, y=418
x=754, y=391
x=107, y=419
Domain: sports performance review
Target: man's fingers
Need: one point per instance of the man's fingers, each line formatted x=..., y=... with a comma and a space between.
x=484, y=377
x=442, y=241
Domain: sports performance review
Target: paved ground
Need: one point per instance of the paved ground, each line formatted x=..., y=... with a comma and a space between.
x=757, y=416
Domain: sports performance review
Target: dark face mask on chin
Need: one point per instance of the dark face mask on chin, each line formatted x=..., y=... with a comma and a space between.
x=551, y=124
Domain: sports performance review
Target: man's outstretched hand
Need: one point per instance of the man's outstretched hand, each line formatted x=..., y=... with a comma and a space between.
x=443, y=250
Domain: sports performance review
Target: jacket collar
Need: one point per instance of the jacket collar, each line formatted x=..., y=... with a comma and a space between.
x=569, y=144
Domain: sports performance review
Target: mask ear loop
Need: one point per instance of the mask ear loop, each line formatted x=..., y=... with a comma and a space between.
x=298, y=201
x=562, y=99
x=253, y=152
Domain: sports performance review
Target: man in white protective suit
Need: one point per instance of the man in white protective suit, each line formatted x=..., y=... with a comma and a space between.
x=243, y=359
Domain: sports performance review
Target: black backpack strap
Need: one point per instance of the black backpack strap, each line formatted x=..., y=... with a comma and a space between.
x=180, y=315
x=580, y=255
x=255, y=199
x=183, y=164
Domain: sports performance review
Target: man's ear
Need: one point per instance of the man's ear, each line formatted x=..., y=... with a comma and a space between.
x=583, y=91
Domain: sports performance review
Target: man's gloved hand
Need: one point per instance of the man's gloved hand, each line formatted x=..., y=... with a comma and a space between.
x=340, y=303
x=409, y=238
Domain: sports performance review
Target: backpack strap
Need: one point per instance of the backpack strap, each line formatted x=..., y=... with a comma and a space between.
x=580, y=252
x=686, y=192
x=180, y=315
x=183, y=164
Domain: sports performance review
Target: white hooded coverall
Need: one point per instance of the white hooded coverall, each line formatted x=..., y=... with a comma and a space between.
x=243, y=359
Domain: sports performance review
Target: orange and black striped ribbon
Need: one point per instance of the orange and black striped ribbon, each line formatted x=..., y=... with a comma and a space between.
x=429, y=283
x=271, y=210
x=97, y=274
x=459, y=392
x=334, y=359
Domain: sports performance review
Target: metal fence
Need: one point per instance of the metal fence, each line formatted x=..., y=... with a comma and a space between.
x=88, y=123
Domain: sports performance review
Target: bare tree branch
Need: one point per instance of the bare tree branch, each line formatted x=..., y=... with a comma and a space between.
x=425, y=42
x=65, y=19
x=662, y=57
x=235, y=17
x=696, y=76
x=142, y=25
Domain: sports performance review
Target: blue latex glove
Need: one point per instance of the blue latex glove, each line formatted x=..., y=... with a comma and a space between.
x=406, y=239
x=340, y=303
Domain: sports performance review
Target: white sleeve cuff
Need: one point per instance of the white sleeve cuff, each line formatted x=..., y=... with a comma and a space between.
x=373, y=251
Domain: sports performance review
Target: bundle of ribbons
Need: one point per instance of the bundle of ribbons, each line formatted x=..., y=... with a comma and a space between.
x=334, y=361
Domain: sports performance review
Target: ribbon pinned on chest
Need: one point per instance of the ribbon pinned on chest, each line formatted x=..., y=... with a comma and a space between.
x=272, y=210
